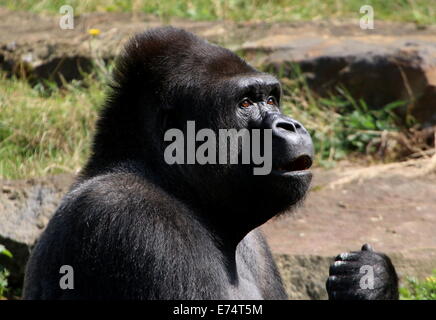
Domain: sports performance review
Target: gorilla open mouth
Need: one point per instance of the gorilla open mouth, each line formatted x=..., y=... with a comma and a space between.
x=301, y=163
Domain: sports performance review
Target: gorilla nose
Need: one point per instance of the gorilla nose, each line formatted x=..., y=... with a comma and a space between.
x=287, y=124
x=292, y=144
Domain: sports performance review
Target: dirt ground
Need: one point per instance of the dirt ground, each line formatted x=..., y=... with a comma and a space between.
x=36, y=38
x=26, y=26
x=393, y=207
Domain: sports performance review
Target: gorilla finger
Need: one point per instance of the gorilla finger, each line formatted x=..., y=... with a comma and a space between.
x=347, y=256
x=343, y=268
x=343, y=295
x=338, y=283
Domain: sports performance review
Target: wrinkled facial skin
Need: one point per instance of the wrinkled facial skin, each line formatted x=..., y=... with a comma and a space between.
x=292, y=146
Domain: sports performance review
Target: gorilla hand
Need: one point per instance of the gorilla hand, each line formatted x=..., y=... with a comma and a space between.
x=362, y=275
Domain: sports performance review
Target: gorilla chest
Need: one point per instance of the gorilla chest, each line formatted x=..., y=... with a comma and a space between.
x=243, y=281
x=246, y=287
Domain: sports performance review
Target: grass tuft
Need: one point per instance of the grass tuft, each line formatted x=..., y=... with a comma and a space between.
x=45, y=129
x=419, y=289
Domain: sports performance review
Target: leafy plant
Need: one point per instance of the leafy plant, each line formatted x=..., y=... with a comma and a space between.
x=4, y=273
x=362, y=125
x=338, y=123
x=420, y=290
x=45, y=129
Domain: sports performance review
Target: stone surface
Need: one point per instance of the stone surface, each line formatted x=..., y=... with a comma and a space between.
x=25, y=208
x=304, y=276
x=34, y=46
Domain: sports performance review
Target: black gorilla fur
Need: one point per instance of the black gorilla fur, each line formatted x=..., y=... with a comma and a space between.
x=134, y=227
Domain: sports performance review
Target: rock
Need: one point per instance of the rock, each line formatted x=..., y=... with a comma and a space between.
x=304, y=276
x=25, y=209
x=35, y=47
x=377, y=69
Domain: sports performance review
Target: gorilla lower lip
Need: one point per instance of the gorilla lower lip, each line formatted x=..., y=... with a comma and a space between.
x=291, y=174
x=301, y=163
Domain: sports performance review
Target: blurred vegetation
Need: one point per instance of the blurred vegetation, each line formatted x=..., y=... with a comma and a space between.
x=419, y=289
x=4, y=273
x=419, y=11
x=339, y=124
x=45, y=129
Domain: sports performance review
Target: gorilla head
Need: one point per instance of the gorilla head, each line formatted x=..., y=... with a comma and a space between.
x=167, y=77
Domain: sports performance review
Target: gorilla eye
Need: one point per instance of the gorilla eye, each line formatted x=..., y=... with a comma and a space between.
x=271, y=101
x=246, y=103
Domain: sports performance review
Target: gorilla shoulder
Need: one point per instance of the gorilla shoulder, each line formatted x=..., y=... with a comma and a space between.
x=124, y=196
x=95, y=232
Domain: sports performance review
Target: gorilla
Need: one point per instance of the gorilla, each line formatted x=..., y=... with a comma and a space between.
x=133, y=226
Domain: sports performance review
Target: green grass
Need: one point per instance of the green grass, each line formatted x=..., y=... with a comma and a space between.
x=339, y=124
x=4, y=273
x=419, y=289
x=419, y=11
x=46, y=130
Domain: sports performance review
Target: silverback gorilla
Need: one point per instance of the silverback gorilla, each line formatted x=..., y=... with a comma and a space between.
x=133, y=226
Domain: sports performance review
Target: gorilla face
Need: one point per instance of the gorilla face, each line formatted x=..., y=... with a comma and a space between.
x=245, y=99
x=254, y=103
x=292, y=149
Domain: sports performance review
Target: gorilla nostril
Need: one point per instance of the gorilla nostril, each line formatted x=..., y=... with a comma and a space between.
x=288, y=126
